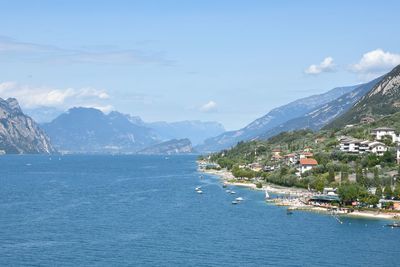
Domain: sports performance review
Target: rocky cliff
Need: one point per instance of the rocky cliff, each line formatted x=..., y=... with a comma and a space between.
x=19, y=134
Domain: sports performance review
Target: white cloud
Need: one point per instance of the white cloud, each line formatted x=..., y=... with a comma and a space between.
x=54, y=54
x=376, y=62
x=326, y=65
x=209, y=106
x=31, y=97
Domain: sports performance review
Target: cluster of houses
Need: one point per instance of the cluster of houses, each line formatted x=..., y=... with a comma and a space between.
x=357, y=146
x=303, y=160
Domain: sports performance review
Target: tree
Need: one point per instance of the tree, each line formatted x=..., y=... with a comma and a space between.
x=359, y=176
x=331, y=175
x=388, y=192
x=319, y=183
x=377, y=179
x=344, y=175
x=378, y=191
x=350, y=192
x=396, y=192
x=388, y=158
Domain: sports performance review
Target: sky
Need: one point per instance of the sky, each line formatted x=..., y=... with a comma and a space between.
x=227, y=61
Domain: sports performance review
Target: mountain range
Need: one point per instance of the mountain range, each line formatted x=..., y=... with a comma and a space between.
x=88, y=130
x=273, y=120
x=314, y=112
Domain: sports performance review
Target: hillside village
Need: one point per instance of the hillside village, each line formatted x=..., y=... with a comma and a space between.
x=358, y=163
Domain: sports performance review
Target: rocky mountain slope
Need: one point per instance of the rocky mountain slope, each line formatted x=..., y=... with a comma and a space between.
x=321, y=116
x=383, y=99
x=273, y=119
x=171, y=147
x=19, y=134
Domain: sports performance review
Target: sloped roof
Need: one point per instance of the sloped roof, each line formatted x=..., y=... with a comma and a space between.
x=308, y=162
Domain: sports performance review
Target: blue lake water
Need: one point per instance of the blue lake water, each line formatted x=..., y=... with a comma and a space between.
x=143, y=211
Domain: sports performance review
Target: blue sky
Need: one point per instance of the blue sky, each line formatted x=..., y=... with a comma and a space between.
x=228, y=61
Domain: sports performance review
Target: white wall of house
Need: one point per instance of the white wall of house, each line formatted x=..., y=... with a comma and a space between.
x=379, y=135
x=305, y=168
x=378, y=149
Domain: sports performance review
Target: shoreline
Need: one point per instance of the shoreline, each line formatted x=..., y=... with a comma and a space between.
x=296, y=205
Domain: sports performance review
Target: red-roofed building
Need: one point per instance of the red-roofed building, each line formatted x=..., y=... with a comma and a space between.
x=307, y=164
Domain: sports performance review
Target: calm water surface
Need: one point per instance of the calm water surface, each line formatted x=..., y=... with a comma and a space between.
x=143, y=211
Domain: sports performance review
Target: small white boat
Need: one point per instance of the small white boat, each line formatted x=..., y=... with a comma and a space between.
x=228, y=191
x=199, y=192
x=239, y=199
x=235, y=202
x=233, y=192
x=266, y=195
x=198, y=188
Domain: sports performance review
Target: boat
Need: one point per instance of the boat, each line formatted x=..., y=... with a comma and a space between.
x=232, y=192
x=266, y=195
x=289, y=212
x=224, y=186
x=198, y=188
x=228, y=191
x=199, y=192
x=235, y=202
x=393, y=225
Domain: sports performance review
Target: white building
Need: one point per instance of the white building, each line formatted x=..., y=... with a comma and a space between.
x=307, y=164
x=380, y=133
x=377, y=148
x=350, y=145
x=355, y=146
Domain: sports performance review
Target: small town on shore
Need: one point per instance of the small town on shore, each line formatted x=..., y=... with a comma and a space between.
x=352, y=171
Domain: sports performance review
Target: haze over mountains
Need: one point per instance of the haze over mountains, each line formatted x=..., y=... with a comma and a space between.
x=312, y=112
x=88, y=130
x=273, y=119
x=82, y=130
